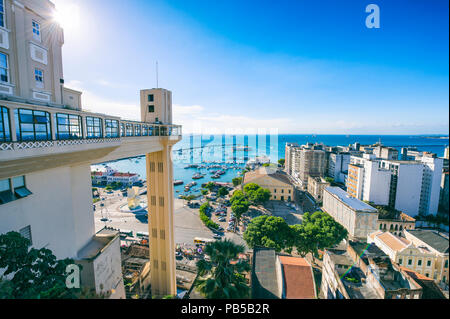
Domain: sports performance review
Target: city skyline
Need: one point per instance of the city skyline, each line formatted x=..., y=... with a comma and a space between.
x=304, y=69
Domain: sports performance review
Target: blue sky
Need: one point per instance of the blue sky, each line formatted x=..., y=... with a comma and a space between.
x=297, y=66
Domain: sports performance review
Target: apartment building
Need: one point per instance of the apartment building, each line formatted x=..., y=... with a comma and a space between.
x=306, y=160
x=421, y=258
x=412, y=187
x=359, y=218
x=385, y=152
x=316, y=186
x=367, y=181
x=47, y=144
x=337, y=167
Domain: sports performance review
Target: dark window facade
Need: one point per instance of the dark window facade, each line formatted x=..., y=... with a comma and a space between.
x=151, y=108
x=144, y=130
x=94, y=127
x=137, y=130
x=129, y=129
x=122, y=129
x=150, y=98
x=5, y=130
x=111, y=128
x=68, y=127
x=13, y=189
x=32, y=125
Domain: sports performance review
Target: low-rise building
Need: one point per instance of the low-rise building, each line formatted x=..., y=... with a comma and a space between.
x=396, y=225
x=316, y=185
x=438, y=244
x=276, y=181
x=364, y=272
x=359, y=218
x=276, y=276
x=110, y=175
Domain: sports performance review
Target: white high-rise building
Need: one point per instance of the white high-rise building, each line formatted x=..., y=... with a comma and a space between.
x=412, y=187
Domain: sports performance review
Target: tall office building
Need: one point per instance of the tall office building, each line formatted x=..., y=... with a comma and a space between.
x=47, y=144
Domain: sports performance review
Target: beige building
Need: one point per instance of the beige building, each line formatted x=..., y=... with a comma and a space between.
x=48, y=144
x=417, y=257
x=274, y=180
x=397, y=225
x=359, y=218
x=316, y=186
x=303, y=161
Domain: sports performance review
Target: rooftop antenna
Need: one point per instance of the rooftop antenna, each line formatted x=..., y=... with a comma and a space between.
x=157, y=74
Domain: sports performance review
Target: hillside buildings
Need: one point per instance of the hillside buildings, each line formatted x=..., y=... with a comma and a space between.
x=48, y=142
x=430, y=260
x=276, y=276
x=276, y=181
x=359, y=218
x=337, y=167
x=364, y=272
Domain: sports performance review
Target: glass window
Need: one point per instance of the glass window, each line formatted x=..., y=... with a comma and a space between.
x=111, y=128
x=4, y=67
x=144, y=130
x=409, y=261
x=32, y=125
x=428, y=263
x=94, y=127
x=68, y=126
x=400, y=261
x=419, y=262
x=36, y=30
x=137, y=130
x=2, y=14
x=150, y=97
x=446, y=264
x=129, y=129
x=151, y=131
x=39, y=78
x=5, y=132
x=151, y=108
x=122, y=129
x=4, y=185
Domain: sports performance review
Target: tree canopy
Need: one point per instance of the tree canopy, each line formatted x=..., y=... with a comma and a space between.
x=220, y=278
x=237, y=181
x=268, y=231
x=223, y=191
x=317, y=231
x=36, y=273
x=281, y=161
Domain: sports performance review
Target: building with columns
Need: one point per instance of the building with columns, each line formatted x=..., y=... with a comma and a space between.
x=48, y=144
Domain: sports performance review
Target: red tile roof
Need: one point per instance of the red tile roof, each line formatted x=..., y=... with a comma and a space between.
x=298, y=278
x=124, y=174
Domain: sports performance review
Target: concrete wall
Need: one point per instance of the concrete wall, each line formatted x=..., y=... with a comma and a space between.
x=409, y=182
x=61, y=201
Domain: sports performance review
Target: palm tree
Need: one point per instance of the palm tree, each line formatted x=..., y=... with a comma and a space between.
x=221, y=277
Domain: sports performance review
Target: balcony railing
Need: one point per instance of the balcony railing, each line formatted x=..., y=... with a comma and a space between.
x=27, y=126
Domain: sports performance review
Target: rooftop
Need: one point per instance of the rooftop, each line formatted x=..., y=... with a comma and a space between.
x=98, y=243
x=394, y=242
x=298, y=278
x=266, y=171
x=264, y=277
x=432, y=238
x=351, y=202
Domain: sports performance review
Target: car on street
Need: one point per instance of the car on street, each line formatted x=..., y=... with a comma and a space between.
x=222, y=219
x=217, y=237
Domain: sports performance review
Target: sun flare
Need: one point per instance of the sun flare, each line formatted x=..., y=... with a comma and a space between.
x=68, y=17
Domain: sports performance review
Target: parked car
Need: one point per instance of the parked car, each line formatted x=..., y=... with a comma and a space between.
x=217, y=237
x=222, y=219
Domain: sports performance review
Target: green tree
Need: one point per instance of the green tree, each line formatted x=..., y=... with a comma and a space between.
x=36, y=273
x=204, y=192
x=210, y=186
x=237, y=181
x=223, y=191
x=260, y=196
x=239, y=207
x=251, y=187
x=281, y=161
x=318, y=231
x=238, y=195
x=269, y=231
x=220, y=278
